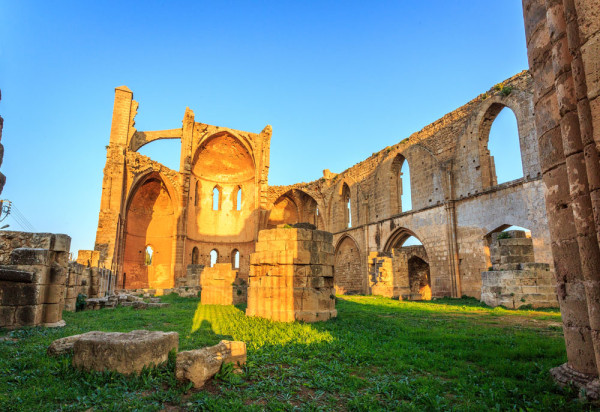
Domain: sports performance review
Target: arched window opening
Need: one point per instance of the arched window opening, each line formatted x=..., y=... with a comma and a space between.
x=148, y=255
x=238, y=199
x=405, y=190
x=402, y=200
x=195, y=255
x=214, y=255
x=216, y=199
x=503, y=146
x=235, y=259
x=347, y=206
x=196, y=194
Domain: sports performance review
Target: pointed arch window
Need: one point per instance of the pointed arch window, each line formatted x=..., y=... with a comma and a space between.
x=148, y=253
x=216, y=198
x=238, y=198
x=195, y=255
x=214, y=256
x=235, y=259
x=347, y=206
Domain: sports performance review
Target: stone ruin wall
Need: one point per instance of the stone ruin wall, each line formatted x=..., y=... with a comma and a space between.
x=456, y=202
x=37, y=282
x=33, y=277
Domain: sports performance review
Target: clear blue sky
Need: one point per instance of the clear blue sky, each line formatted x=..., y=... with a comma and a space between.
x=336, y=80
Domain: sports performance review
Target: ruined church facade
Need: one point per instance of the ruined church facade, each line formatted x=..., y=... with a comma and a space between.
x=155, y=221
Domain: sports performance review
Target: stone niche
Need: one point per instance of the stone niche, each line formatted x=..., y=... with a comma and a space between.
x=515, y=279
x=32, y=278
x=291, y=276
x=220, y=286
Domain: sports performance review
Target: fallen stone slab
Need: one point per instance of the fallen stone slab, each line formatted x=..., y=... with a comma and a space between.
x=140, y=305
x=125, y=353
x=154, y=300
x=63, y=346
x=198, y=366
x=158, y=305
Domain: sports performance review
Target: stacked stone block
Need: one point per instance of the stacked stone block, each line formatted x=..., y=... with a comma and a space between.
x=89, y=258
x=93, y=282
x=32, y=285
x=515, y=279
x=291, y=276
x=220, y=286
x=381, y=274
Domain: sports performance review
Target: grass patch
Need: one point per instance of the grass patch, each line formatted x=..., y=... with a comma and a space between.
x=379, y=354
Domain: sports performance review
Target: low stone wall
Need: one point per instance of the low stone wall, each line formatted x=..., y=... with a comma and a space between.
x=291, y=276
x=220, y=286
x=515, y=280
x=10, y=240
x=93, y=282
x=33, y=279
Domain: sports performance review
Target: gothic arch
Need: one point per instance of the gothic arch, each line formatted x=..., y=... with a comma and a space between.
x=150, y=219
x=348, y=275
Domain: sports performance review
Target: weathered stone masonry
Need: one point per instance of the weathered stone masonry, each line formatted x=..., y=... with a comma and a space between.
x=456, y=201
x=563, y=46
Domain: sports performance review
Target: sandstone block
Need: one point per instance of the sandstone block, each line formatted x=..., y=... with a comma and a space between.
x=125, y=353
x=198, y=366
x=29, y=315
x=63, y=346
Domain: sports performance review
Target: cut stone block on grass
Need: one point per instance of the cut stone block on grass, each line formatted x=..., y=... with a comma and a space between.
x=63, y=346
x=198, y=366
x=125, y=353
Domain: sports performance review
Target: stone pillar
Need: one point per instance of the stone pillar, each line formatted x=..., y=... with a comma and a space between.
x=185, y=168
x=291, y=276
x=110, y=220
x=578, y=167
x=381, y=275
x=220, y=286
x=564, y=171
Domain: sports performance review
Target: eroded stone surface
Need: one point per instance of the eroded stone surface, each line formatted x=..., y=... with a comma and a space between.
x=291, y=276
x=125, y=353
x=63, y=346
x=198, y=366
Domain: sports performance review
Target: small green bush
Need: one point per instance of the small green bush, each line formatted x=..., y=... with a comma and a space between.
x=506, y=90
x=80, y=302
x=504, y=235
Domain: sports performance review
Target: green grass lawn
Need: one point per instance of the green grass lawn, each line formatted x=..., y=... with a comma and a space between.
x=379, y=354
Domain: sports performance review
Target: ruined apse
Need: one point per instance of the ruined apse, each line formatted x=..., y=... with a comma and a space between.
x=219, y=199
x=155, y=221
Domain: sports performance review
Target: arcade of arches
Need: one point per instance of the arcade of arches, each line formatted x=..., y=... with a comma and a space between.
x=211, y=210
